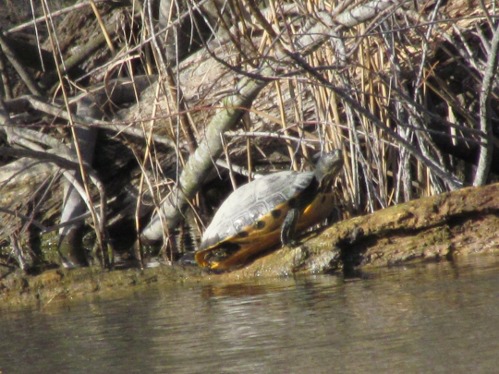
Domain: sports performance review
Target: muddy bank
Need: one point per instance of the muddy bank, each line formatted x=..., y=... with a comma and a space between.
x=55, y=285
x=443, y=227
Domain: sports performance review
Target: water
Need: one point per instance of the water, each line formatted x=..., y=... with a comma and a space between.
x=428, y=318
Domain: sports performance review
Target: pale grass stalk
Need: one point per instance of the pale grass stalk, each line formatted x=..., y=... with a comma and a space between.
x=282, y=112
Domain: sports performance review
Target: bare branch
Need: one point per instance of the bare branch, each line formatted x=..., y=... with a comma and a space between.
x=486, y=147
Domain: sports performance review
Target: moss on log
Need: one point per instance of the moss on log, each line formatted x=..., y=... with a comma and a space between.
x=433, y=228
x=442, y=227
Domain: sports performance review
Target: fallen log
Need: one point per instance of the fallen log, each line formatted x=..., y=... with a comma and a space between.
x=428, y=229
x=442, y=227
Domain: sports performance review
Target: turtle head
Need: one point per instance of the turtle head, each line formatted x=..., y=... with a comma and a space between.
x=328, y=167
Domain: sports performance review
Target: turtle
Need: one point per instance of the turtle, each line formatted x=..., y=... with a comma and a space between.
x=268, y=210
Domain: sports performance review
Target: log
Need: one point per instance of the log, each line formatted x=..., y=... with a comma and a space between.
x=440, y=227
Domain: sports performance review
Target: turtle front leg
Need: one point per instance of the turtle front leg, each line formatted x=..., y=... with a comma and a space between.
x=288, y=228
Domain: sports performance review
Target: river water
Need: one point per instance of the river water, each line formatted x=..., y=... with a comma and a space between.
x=434, y=318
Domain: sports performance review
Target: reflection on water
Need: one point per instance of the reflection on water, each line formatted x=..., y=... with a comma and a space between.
x=429, y=318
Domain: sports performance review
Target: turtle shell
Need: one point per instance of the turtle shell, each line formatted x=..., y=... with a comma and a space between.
x=250, y=219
